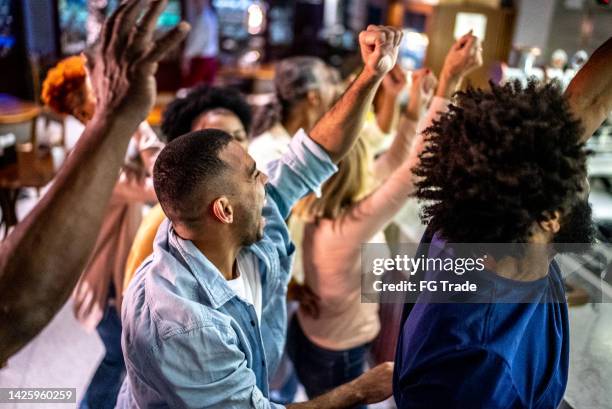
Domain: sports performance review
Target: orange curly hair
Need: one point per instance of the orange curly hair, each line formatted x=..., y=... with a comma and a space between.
x=65, y=78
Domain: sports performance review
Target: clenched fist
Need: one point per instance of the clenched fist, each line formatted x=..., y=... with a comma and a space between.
x=379, y=47
x=125, y=60
x=464, y=56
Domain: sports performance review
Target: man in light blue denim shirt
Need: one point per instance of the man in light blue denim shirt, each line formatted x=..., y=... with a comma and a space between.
x=204, y=317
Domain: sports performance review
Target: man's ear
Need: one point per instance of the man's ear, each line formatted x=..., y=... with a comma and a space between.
x=551, y=222
x=222, y=210
x=314, y=98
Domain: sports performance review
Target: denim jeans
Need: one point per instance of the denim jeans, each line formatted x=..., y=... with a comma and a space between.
x=106, y=382
x=321, y=370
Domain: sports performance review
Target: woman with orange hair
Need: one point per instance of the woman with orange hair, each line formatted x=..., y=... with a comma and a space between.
x=97, y=296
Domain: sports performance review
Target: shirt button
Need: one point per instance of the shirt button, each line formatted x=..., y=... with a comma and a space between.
x=252, y=323
x=263, y=363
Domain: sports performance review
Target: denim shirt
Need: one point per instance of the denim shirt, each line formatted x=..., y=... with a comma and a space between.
x=188, y=340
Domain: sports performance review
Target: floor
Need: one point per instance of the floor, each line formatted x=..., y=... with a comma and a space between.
x=590, y=377
x=62, y=356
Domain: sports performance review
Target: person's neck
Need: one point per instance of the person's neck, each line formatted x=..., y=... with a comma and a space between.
x=220, y=253
x=534, y=265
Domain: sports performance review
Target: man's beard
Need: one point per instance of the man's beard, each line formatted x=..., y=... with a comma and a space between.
x=253, y=234
x=577, y=232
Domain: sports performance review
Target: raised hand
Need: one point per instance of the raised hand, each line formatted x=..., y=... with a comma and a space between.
x=424, y=84
x=125, y=61
x=379, y=47
x=464, y=56
x=122, y=76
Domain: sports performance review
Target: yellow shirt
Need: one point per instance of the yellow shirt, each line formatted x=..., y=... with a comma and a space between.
x=142, y=246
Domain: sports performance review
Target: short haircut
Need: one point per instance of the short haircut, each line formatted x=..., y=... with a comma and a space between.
x=186, y=166
x=179, y=114
x=500, y=160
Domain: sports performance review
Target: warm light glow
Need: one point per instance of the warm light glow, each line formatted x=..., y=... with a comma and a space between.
x=465, y=22
x=414, y=40
x=250, y=58
x=255, y=19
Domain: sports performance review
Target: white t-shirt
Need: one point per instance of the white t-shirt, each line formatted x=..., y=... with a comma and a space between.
x=269, y=146
x=247, y=285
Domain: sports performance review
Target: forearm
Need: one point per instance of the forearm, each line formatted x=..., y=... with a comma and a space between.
x=437, y=107
x=448, y=85
x=344, y=396
x=589, y=94
x=338, y=129
x=371, y=214
x=385, y=117
x=413, y=109
x=42, y=259
x=398, y=151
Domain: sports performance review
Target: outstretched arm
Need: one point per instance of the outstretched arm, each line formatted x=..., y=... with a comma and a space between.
x=41, y=260
x=386, y=101
x=590, y=92
x=371, y=387
x=464, y=56
x=338, y=129
x=421, y=91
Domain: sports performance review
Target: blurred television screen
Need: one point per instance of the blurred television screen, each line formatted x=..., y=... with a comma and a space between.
x=75, y=21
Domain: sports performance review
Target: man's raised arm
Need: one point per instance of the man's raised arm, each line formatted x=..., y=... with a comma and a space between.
x=338, y=129
x=41, y=260
x=590, y=92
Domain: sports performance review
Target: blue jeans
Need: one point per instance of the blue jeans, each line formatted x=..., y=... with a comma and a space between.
x=321, y=370
x=106, y=382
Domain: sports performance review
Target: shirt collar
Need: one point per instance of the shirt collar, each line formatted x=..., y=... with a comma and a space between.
x=207, y=275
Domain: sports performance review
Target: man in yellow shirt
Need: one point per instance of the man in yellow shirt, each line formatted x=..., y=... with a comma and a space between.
x=204, y=107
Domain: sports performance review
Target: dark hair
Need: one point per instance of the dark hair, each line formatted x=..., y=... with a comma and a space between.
x=183, y=167
x=294, y=77
x=180, y=113
x=498, y=161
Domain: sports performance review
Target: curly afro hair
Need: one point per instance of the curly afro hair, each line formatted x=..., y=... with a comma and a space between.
x=67, y=77
x=180, y=113
x=500, y=160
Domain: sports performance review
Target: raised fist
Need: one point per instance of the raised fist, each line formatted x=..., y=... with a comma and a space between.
x=379, y=48
x=464, y=56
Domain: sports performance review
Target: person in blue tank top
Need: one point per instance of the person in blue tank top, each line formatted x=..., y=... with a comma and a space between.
x=505, y=165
